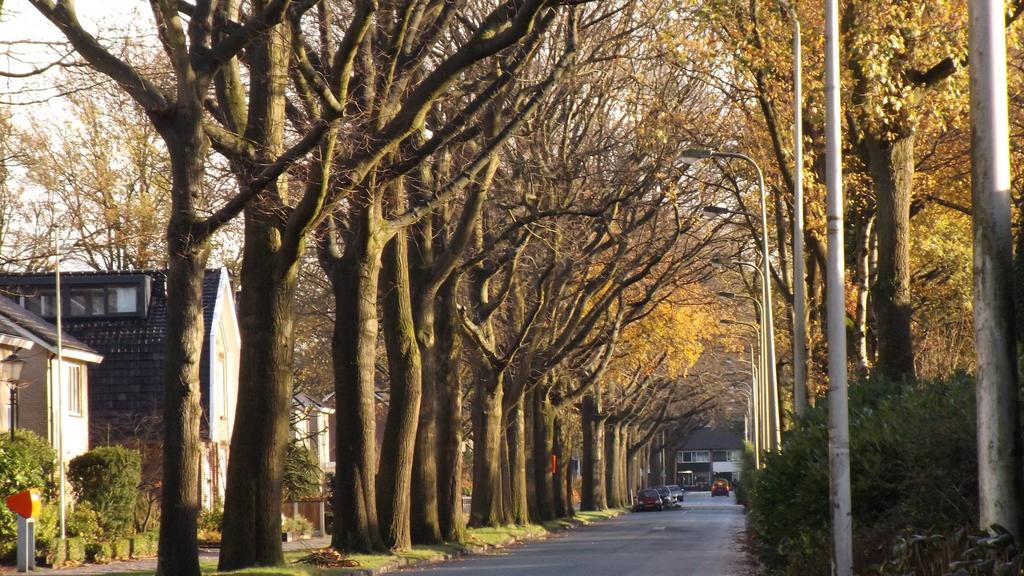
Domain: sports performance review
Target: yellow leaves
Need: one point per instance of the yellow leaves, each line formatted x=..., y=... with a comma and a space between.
x=677, y=329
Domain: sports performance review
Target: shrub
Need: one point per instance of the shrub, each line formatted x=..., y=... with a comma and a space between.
x=912, y=464
x=27, y=462
x=83, y=522
x=98, y=552
x=297, y=525
x=108, y=479
x=75, y=550
x=144, y=545
x=120, y=548
x=210, y=522
x=302, y=474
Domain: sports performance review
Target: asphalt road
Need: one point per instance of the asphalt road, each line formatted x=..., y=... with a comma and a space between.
x=701, y=539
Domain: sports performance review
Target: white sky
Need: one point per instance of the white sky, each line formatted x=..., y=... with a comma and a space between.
x=24, y=34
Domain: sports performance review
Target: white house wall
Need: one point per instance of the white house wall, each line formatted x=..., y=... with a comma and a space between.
x=225, y=343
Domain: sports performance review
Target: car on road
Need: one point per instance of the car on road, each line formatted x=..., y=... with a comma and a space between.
x=678, y=492
x=667, y=498
x=720, y=487
x=649, y=499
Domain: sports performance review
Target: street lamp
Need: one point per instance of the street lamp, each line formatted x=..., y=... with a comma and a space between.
x=10, y=372
x=760, y=408
x=698, y=154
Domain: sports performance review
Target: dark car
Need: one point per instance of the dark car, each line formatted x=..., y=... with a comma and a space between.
x=666, y=496
x=720, y=487
x=649, y=499
x=678, y=492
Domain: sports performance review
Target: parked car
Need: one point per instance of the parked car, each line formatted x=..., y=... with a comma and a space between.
x=720, y=487
x=678, y=492
x=666, y=496
x=649, y=499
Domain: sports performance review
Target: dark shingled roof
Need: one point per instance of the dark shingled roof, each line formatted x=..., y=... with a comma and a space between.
x=126, y=389
x=12, y=312
x=712, y=439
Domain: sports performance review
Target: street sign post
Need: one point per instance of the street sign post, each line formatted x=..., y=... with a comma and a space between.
x=26, y=505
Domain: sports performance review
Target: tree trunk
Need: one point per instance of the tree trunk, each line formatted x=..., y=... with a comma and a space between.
x=862, y=273
x=515, y=437
x=252, y=521
x=561, y=492
x=449, y=421
x=611, y=464
x=543, y=449
x=593, y=455
x=354, y=281
x=179, y=502
x=486, y=508
x=425, y=520
x=394, y=475
x=892, y=171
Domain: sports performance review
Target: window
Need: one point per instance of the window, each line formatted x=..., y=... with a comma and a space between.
x=43, y=304
x=83, y=301
x=74, y=387
x=696, y=456
x=122, y=300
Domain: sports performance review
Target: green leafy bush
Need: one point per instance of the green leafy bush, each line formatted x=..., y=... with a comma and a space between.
x=108, y=479
x=912, y=458
x=144, y=545
x=98, y=552
x=27, y=462
x=210, y=522
x=83, y=522
x=302, y=474
x=75, y=550
x=297, y=525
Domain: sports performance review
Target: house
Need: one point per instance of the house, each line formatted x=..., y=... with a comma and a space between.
x=36, y=399
x=708, y=453
x=311, y=424
x=122, y=315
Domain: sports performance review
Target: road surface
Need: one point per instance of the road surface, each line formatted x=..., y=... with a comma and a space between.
x=702, y=539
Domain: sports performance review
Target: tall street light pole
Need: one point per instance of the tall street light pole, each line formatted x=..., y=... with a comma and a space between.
x=772, y=436
x=799, y=284
x=766, y=285
x=997, y=403
x=838, y=414
x=761, y=420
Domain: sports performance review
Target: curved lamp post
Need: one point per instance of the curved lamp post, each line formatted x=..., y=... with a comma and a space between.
x=766, y=284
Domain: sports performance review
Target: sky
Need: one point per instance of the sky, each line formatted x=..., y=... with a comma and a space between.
x=24, y=35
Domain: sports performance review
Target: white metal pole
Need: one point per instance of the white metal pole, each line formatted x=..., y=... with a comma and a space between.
x=799, y=284
x=754, y=381
x=997, y=404
x=839, y=425
x=59, y=385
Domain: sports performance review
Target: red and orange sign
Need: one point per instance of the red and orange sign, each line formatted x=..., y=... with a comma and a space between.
x=26, y=503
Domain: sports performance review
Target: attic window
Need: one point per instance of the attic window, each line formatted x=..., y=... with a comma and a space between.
x=85, y=301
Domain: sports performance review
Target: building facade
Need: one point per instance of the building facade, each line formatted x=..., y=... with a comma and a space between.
x=123, y=316
x=706, y=454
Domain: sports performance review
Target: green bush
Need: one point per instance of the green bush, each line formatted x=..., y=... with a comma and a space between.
x=297, y=525
x=913, y=464
x=83, y=522
x=98, y=552
x=27, y=462
x=75, y=550
x=120, y=548
x=302, y=474
x=108, y=479
x=144, y=545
